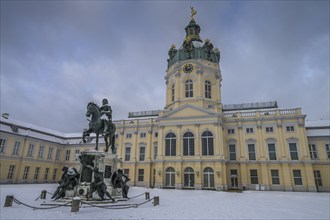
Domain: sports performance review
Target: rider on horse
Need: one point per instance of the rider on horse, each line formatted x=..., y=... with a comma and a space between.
x=106, y=115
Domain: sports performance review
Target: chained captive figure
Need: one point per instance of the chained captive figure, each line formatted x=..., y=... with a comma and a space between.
x=119, y=182
x=99, y=185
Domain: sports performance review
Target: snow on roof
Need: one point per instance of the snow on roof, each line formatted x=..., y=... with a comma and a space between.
x=317, y=123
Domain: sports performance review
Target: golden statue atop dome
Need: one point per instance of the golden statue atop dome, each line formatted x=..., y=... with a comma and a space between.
x=193, y=12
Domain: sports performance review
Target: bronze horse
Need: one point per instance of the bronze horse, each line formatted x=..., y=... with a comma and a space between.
x=97, y=126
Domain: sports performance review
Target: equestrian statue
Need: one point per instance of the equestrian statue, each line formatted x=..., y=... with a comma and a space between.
x=100, y=123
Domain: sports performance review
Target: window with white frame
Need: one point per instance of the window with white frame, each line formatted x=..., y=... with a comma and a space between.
x=41, y=151
x=58, y=154
x=208, y=178
x=128, y=135
x=2, y=145
x=189, y=89
x=30, y=151
x=155, y=150
x=275, y=177
x=254, y=176
x=16, y=148
x=188, y=177
x=170, y=144
x=231, y=131
x=297, y=177
x=67, y=154
x=293, y=151
x=77, y=151
x=170, y=177
x=46, y=173
x=26, y=172
x=232, y=151
x=11, y=172
x=327, y=149
x=142, y=152
x=272, y=151
x=207, y=144
x=36, y=173
x=252, y=152
x=50, y=153
x=249, y=130
x=312, y=151
x=141, y=175
x=269, y=129
x=317, y=177
x=290, y=128
x=127, y=152
x=143, y=135
x=54, y=174
x=188, y=144
x=207, y=89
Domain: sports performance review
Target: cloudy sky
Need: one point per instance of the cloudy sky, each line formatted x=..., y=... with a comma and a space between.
x=56, y=56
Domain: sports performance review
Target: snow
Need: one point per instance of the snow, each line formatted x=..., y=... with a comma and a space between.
x=175, y=204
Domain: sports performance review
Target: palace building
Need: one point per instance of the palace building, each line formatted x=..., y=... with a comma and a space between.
x=195, y=142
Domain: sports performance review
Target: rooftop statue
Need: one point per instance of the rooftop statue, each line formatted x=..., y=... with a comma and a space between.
x=100, y=123
x=193, y=12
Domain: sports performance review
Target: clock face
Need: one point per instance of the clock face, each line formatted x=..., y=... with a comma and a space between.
x=188, y=68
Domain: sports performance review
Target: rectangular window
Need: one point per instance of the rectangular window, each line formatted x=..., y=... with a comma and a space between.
x=289, y=128
x=249, y=130
x=297, y=177
x=127, y=153
x=312, y=151
x=54, y=174
x=41, y=152
x=16, y=148
x=26, y=172
x=116, y=136
x=327, y=149
x=141, y=175
x=275, y=177
x=30, y=151
x=129, y=135
x=77, y=151
x=2, y=145
x=232, y=152
x=58, y=154
x=269, y=129
x=46, y=173
x=254, y=176
x=231, y=131
x=272, y=152
x=126, y=172
x=156, y=134
x=36, y=173
x=293, y=151
x=50, y=153
x=317, y=177
x=142, y=153
x=252, y=152
x=11, y=172
x=67, y=154
x=155, y=150
x=143, y=135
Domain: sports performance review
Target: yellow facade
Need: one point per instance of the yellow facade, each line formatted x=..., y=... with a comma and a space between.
x=194, y=143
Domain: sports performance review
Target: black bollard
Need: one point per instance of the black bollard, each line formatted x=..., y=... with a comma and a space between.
x=75, y=204
x=9, y=201
x=43, y=194
x=147, y=196
x=156, y=200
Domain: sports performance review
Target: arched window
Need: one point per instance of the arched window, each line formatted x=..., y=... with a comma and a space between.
x=188, y=144
x=207, y=89
x=189, y=89
x=207, y=143
x=208, y=176
x=170, y=177
x=172, y=93
x=189, y=177
x=170, y=144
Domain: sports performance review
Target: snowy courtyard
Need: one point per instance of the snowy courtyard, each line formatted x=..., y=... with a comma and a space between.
x=175, y=204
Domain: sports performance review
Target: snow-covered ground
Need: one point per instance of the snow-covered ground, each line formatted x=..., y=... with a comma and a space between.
x=176, y=204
